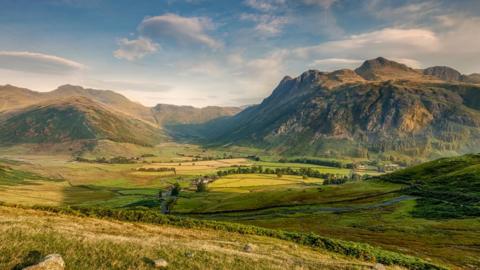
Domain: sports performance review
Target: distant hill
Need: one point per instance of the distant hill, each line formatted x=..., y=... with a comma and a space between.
x=71, y=113
x=74, y=118
x=382, y=107
x=172, y=114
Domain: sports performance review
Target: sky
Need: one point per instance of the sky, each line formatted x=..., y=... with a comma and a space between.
x=223, y=52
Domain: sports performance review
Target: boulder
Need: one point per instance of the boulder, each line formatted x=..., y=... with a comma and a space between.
x=50, y=262
x=248, y=248
x=160, y=263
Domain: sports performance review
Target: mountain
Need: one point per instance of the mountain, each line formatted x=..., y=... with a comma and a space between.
x=172, y=114
x=14, y=97
x=443, y=73
x=71, y=119
x=319, y=114
x=381, y=69
x=73, y=113
x=472, y=78
x=110, y=99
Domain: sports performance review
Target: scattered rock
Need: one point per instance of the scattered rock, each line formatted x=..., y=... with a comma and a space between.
x=160, y=263
x=379, y=266
x=50, y=262
x=248, y=248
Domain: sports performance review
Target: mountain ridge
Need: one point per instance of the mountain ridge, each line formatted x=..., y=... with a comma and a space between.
x=409, y=113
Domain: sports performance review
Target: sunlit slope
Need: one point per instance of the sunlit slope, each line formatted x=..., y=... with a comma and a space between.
x=71, y=119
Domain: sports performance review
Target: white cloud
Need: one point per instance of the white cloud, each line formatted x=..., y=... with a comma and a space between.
x=386, y=42
x=38, y=63
x=135, y=49
x=264, y=5
x=183, y=30
x=266, y=25
x=408, y=13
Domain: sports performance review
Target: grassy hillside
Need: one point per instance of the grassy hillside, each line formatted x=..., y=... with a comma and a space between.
x=449, y=187
x=227, y=236
x=172, y=114
x=89, y=243
x=73, y=119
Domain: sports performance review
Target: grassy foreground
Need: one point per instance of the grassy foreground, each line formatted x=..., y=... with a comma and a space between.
x=88, y=243
x=355, y=251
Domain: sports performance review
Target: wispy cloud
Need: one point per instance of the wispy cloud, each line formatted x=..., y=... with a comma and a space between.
x=387, y=42
x=135, y=49
x=266, y=24
x=38, y=63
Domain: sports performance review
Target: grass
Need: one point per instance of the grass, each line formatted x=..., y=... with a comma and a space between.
x=89, y=243
x=448, y=187
x=356, y=250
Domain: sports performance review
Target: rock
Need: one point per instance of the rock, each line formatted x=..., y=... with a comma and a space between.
x=50, y=262
x=248, y=248
x=160, y=263
x=189, y=254
x=379, y=266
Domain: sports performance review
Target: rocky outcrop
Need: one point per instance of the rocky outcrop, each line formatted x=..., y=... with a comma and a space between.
x=443, y=73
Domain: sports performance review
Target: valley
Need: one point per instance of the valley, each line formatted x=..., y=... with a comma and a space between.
x=364, y=166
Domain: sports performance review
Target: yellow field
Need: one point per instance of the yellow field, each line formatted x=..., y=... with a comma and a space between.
x=250, y=180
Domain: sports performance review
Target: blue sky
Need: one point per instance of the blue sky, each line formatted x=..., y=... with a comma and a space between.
x=206, y=52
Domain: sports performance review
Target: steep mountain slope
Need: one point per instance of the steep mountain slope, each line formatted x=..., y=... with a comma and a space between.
x=74, y=118
x=170, y=114
x=418, y=116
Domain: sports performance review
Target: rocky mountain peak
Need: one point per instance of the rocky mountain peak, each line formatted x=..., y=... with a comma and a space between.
x=443, y=72
x=383, y=69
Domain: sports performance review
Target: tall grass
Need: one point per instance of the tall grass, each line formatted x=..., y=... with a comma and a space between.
x=352, y=249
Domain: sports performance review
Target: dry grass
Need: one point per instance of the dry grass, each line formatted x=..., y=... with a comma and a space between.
x=87, y=243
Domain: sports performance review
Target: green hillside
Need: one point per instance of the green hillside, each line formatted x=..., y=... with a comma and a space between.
x=73, y=119
x=448, y=187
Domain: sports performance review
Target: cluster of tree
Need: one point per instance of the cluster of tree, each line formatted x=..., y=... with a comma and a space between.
x=321, y=162
x=335, y=181
x=307, y=172
x=161, y=169
x=201, y=183
x=114, y=160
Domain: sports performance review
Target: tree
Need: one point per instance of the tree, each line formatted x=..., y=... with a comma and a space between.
x=176, y=189
x=202, y=187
